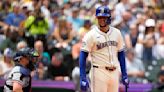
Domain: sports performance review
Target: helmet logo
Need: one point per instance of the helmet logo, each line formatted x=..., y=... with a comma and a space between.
x=101, y=11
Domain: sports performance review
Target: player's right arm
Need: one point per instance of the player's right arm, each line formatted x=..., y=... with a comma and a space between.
x=17, y=87
x=83, y=80
x=87, y=43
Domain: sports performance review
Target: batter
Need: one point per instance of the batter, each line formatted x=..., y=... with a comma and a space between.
x=106, y=47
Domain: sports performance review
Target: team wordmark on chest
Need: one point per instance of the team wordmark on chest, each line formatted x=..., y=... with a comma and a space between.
x=106, y=44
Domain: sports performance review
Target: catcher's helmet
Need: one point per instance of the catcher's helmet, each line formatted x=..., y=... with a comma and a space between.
x=104, y=11
x=25, y=52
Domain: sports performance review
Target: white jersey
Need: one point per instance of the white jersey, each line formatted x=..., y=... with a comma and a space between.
x=103, y=47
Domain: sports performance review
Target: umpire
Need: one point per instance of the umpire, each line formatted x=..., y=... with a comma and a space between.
x=19, y=79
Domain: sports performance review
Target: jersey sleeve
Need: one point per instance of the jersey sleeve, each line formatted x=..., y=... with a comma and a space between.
x=87, y=42
x=121, y=43
x=17, y=76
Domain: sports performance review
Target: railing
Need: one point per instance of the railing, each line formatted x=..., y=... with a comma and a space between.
x=48, y=86
x=61, y=86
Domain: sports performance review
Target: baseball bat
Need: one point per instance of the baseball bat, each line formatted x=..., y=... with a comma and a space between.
x=126, y=88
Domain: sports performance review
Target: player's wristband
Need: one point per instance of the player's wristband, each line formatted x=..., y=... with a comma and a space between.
x=82, y=61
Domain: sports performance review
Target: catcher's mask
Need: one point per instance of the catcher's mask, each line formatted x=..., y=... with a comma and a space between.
x=30, y=53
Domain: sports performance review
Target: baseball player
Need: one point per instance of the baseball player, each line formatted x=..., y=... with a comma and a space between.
x=19, y=79
x=106, y=47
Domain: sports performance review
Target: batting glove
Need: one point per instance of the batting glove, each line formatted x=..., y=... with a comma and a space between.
x=84, y=84
x=125, y=81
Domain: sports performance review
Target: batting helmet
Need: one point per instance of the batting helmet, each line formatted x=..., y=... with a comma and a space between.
x=104, y=11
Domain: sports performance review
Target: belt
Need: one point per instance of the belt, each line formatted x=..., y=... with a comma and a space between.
x=106, y=67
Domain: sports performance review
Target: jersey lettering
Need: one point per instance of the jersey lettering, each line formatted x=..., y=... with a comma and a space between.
x=106, y=44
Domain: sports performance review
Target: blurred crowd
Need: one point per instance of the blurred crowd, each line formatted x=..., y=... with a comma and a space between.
x=55, y=29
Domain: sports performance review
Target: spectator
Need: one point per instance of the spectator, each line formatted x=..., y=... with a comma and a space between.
x=43, y=62
x=150, y=12
x=63, y=34
x=141, y=18
x=3, y=27
x=63, y=40
x=45, y=9
x=135, y=67
x=87, y=3
x=37, y=28
x=159, y=48
x=6, y=65
x=27, y=11
x=75, y=20
x=56, y=70
x=54, y=23
x=14, y=18
x=10, y=41
x=21, y=44
x=121, y=7
x=86, y=27
x=128, y=19
x=44, y=56
x=131, y=39
x=40, y=72
x=148, y=42
x=67, y=8
x=5, y=9
x=162, y=67
x=159, y=85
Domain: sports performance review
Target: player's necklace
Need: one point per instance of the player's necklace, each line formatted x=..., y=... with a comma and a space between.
x=107, y=31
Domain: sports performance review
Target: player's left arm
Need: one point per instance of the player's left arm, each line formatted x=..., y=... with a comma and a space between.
x=17, y=87
x=121, y=58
